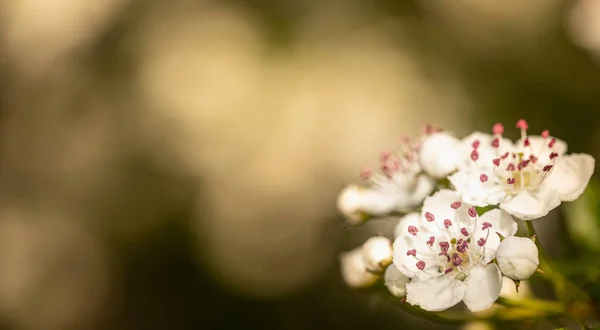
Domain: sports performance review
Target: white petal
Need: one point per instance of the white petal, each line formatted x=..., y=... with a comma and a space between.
x=502, y=223
x=411, y=219
x=483, y=287
x=379, y=201
x=354, y=270
x=436, y=294
x=395, y=281
x=438, y=154
x=474, y=191
x=423, y=186
x=517, y=257
x=407, y=263
x=526, y=206
x=377, y=253
x=570, y=175
x=349, y=204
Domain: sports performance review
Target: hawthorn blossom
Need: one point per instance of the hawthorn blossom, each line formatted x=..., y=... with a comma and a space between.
x=447, y=253
x=354, y=270
x=527, y=179
x=377, y=253
x=400, y=186
x=517, y=258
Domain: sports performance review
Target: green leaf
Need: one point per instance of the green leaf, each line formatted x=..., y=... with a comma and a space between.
x=583, y=218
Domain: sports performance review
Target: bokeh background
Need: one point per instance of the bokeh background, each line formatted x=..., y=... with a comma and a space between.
x=175, y=164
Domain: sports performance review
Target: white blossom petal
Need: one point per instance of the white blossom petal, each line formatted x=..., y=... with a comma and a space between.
x=485, y=150
x=570, y=175
x=528, y=206
x=476, y=192
x=436, y=294
x=395, y=281
x=407, y=263
x=518, y=258
x=411, y=219
x=440, y=206
x=484, y=283
x=423, y=186
x=439, y=154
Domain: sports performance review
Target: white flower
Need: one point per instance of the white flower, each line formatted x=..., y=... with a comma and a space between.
x=517, y=258
x=399, y=186
x=528, y=178
x=377, y=253
x=354, y=270
x=438, y=154
x=395, y=281
x=447, y=253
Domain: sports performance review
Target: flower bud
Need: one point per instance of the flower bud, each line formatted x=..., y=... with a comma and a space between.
x=517, y=257
x=349, y=203
x=395, y=281
x=438, y=154
x=377, y=253
x=354, y=270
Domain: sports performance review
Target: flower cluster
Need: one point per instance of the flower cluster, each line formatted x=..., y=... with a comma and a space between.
x=460, y=198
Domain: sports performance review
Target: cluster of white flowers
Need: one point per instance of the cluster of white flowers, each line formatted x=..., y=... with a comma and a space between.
x=446, y=249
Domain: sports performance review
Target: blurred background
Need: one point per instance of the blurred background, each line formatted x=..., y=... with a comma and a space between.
x=175, y=164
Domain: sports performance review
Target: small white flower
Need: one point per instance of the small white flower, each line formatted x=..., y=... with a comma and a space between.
x=377, y=253
x=527, y=179
x=447, y=253
x=395, y=281
x=354, y=270
x=439, y=154
x=517, y=257
x=399, y=186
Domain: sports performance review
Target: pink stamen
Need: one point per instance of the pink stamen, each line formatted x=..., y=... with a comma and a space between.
x=413, y=230
x=456, y=205
x=526, y=142
x=447, y=223
x=553, y=155
x=474, y=155
x=456, y=259
x=545, y=133
x=498, y=129
x=522, y=165
x=420, y=265
x=481, y=242
x=449, y=270
x=412, y=252
x=510, y=180
x=430, y=217
x=496, y=161
x=533, y=159
x=464, y=231
x=486, y=225
x=547, y=168
x=495, y=142
x=505, y=155
x=385, y=156
x=431, y=241
x=483, y=177
x=510, y=167
x=472, y=212
x=366, y=173
x=444, y=246
x=551, y=143
x=475, y=144
x=522, y=124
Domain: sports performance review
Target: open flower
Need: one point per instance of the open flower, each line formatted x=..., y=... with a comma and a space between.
x=528, y=178
x=447, y=253
x=354, y=270
x=400, y=186
x=517, y=258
